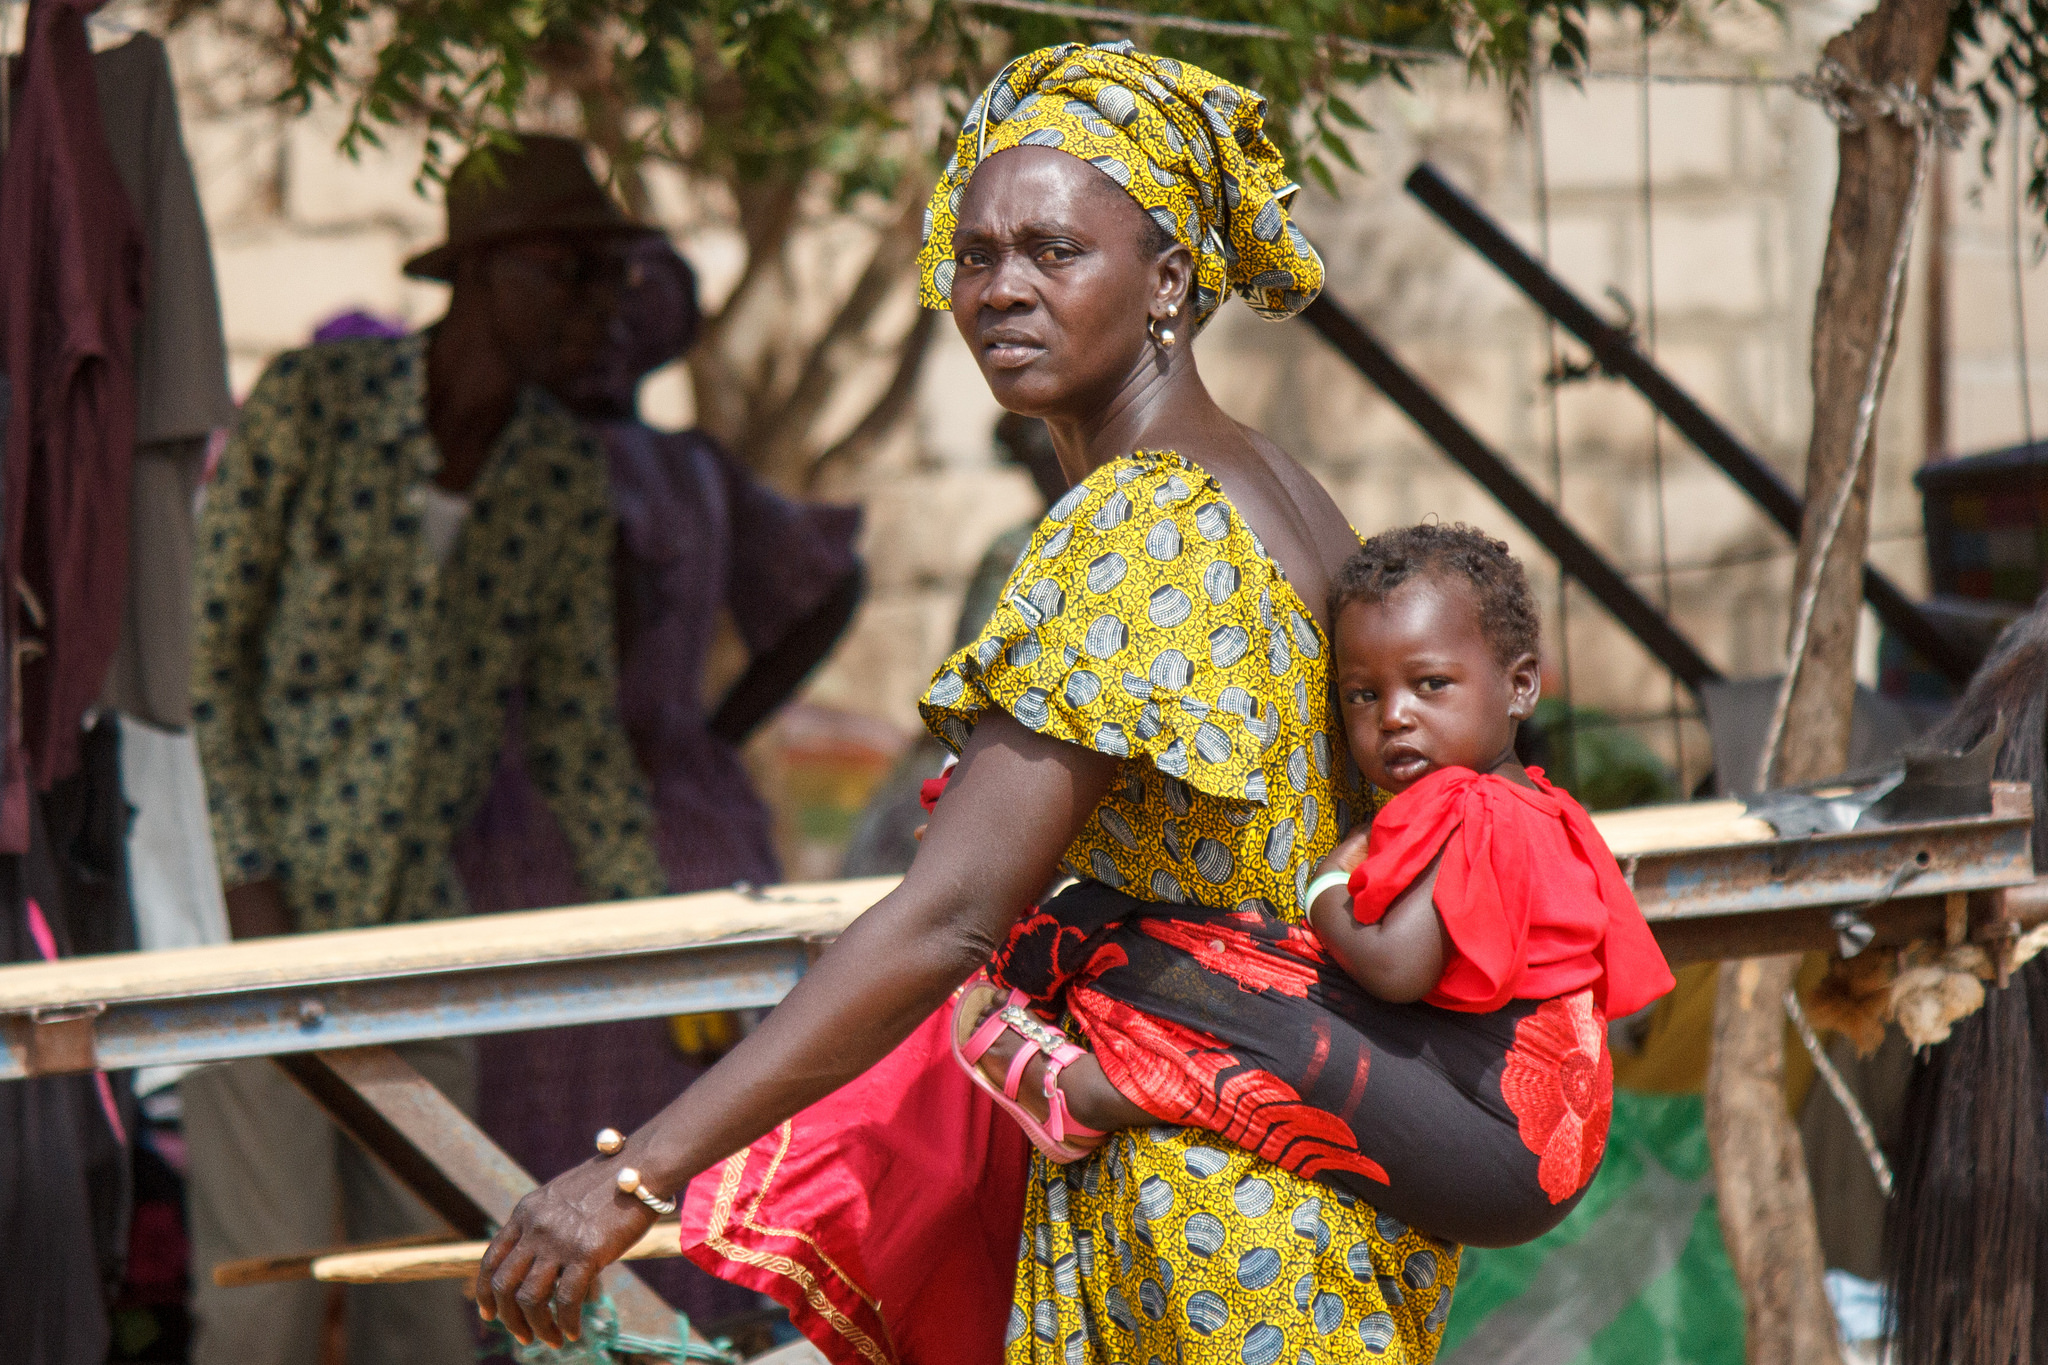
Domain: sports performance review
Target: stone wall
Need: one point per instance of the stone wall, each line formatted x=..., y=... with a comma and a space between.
x=1716, y=253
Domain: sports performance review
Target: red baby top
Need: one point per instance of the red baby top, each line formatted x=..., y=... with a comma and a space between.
x=1534, y=903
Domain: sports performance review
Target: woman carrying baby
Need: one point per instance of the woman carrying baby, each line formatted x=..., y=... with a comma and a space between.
x=1151, y=707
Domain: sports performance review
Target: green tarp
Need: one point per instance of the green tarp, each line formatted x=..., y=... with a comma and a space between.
x=1637, y=1275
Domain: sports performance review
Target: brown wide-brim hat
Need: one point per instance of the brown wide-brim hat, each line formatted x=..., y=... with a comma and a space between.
x=541, y=185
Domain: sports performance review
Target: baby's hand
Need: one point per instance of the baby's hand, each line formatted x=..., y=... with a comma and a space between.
x=1349, y=852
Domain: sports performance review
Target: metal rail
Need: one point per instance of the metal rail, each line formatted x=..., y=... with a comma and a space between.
x=1861, y=867
x=1455, y=439
x=1616, y=352
x=1735, y=894
x=272, y=1020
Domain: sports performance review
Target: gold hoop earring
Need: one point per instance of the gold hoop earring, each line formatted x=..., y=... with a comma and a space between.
x=1162, y=335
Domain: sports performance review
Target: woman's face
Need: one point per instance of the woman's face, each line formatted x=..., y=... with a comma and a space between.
x=1053, y=281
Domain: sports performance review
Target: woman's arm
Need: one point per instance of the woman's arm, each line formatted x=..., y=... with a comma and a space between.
x=1016, y=802
x=1400, y=958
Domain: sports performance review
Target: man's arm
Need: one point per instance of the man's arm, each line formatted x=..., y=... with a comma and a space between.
x=773, y=677
x=240, y=549
x=575, y=747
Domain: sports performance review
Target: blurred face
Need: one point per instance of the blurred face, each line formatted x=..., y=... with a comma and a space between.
x=553, y=300
x=647, y=328
x=1420, y=688
x=1052, y=283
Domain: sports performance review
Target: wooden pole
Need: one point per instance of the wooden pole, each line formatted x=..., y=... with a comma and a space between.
x=1766, y=1206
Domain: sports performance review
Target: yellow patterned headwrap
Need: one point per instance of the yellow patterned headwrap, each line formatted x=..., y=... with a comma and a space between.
x=1189, y=146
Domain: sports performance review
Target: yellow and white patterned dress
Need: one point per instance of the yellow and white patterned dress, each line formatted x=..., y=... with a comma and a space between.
x=1145, y=620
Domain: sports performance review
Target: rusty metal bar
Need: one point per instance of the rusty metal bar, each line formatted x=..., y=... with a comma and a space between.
x=1830, y=871
x=432, y=1147
x=1618, y=355
x=1574, y=554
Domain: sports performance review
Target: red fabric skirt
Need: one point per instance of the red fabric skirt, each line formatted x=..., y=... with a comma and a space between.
x=885, y=1217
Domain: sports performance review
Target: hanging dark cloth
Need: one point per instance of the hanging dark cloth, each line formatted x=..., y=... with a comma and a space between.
x=65, y=1175
x=181, y=381
x=71, y=286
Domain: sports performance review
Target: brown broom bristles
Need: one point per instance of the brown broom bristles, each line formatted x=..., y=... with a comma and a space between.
x=1965, y=1265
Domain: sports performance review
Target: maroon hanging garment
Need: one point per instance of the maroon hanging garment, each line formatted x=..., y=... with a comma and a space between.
x=71, y=282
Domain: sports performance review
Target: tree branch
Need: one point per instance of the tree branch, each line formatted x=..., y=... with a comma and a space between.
x=843, y=344
x=1766, y=1203
x=726, y=393
x=892, y=407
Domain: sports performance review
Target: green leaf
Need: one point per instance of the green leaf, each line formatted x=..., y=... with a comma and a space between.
x=1341, y=110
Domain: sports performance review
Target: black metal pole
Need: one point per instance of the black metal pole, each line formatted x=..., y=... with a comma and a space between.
x=1574, y=555
x=1616, y=352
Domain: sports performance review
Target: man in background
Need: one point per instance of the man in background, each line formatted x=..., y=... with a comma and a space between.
x=885, y=835
x=402, y=533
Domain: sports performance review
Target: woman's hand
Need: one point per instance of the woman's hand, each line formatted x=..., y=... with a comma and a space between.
x=1018, y=800
x=543, y=1262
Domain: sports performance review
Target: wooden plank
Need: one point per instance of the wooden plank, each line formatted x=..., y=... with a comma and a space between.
x=433, y=1148
x=483, y=941
x=475, y=941
x=455, y=1260
x=299, y=1266
x=1693, y=824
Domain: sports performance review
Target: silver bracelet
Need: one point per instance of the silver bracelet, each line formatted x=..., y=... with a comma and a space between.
x=609, y=1143
x=629, y=1183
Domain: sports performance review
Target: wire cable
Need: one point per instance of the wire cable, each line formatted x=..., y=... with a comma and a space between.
x=1565, y=752
x=1656, y=418
x=2019, y=290
x=1233, y=28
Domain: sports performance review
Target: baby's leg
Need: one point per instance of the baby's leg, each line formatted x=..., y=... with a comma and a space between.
x=1091, y=1099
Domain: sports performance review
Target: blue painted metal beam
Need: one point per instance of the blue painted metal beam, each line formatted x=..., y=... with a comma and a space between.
x=269, y=1021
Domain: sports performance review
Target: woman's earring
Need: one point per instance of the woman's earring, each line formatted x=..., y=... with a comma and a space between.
x=1162, y=335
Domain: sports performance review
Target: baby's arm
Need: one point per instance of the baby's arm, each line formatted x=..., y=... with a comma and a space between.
x=1400, y=958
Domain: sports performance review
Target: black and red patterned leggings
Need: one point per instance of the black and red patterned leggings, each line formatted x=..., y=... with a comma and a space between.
x=1480, y=1128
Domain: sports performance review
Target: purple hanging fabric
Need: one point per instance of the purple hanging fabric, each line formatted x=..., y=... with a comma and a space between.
x=71, y=284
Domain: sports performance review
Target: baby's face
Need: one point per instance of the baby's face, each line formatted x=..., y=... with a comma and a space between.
x=1419, y=686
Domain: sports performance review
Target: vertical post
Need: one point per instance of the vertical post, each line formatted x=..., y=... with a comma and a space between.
x=1766, y=1204
x=1934, y=411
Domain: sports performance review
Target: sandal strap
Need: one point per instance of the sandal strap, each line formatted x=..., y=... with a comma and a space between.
x=1060, y=1053
x=1015, y=1078
x=985, y=1034
x=1062, y=1123
x=1028, y=1025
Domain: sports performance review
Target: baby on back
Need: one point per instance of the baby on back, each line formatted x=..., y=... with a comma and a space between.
x=1478, y=918
x=1480, y=882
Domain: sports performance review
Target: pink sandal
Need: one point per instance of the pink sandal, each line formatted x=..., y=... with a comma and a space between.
x=1039, y=1037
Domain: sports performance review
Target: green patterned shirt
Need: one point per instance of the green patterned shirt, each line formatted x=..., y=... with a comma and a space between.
x=350, y=692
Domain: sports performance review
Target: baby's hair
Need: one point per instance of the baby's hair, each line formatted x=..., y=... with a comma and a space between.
x=1507, y=609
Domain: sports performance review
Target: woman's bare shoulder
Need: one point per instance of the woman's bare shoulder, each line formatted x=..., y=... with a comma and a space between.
x=1293, y=515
